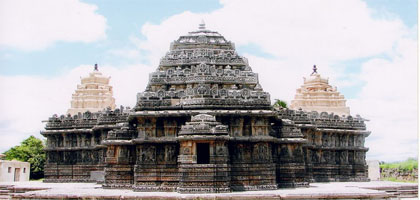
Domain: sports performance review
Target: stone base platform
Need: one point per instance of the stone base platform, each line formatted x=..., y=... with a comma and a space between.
x=337, y=190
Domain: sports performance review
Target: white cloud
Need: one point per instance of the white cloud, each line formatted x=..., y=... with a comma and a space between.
x=35, y=25
x=27, y=100
x=389, y=100
x=126, y=53
x=321, y=30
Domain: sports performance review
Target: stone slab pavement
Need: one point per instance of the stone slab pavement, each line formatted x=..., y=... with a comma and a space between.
x=336, y=190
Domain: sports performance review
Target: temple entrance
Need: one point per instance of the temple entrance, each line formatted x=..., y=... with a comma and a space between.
x=17, y=174
x=203, y=153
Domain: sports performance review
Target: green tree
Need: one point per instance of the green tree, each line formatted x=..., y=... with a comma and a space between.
x=30, y=150
x=280, y=103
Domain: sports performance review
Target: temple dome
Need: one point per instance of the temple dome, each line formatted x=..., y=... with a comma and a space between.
x=93, y=94
x=317, y=95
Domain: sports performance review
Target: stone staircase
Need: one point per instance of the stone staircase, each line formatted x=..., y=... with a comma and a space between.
x=5, y=192
x=402, y=191
x=383, y=191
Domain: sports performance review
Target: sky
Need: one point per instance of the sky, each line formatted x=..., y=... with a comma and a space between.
x=368, y=49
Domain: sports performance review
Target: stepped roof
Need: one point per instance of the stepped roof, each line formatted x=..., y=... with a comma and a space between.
x=93, y=94
x=202, y=70
x=316, y=94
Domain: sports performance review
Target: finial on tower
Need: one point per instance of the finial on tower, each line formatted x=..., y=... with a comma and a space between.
x=96, y=67
x=314, y=72
x=202, y=25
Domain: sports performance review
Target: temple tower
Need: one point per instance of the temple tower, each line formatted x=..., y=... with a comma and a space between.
x=317, y=95
x=93, y=94
x=201, y=124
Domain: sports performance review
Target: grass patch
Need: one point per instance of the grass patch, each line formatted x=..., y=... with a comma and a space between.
x=408, y=165
x=393, y=179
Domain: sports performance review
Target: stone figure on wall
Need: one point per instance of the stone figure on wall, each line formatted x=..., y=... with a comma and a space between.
x=220, y=150
x=170, y=153
x=351, y=141
x=315, y=157
x=343, y=157
x=325, y=157
x=337, y=157
x=284, y=153
x=263, y=152
x=325, y=139
x=359, y=141
x=351, y=157
x=297, y=154
x=111, y=152
x=238, y=153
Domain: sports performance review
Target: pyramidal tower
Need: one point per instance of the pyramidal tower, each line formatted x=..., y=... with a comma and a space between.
x=202, y=70
x=317, y=95
x=93, y=94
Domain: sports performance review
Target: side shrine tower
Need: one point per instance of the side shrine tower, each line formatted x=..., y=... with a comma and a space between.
x=204, y=124
x=93, y=94
x=317, y=95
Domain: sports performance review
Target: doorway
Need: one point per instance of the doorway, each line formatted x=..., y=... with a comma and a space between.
x=17, y=174
x=203, y=153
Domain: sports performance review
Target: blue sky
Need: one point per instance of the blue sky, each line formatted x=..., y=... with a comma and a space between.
x=126, y=19
x=133, y=35
x=123, y=19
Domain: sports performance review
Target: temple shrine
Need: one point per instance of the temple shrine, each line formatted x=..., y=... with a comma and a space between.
x=317, y=95
x=204, y=124
x=93, y=94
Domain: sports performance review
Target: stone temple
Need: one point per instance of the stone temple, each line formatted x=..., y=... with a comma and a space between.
x=205, y=124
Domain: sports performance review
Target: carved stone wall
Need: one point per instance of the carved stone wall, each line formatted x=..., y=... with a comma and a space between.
x=75, y=144
x=335, y=146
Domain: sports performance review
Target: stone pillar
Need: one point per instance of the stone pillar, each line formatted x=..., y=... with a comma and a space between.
x=344, y=157
x=49, y=141
x=92, y=140
x=64, y=139
x=82, y=137
x=78, y=140
x=236, y=126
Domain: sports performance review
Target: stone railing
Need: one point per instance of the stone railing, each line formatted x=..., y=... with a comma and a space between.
x=323, y=120
x=196, y=60
x=86, y=120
